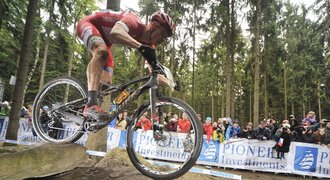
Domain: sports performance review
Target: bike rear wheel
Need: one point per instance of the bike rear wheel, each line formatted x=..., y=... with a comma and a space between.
x=179, y=151
x=52, y=120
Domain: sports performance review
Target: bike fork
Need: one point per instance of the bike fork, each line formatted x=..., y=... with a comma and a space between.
x=156, y=120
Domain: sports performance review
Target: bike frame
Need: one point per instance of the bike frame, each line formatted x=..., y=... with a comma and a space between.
x=150, y=85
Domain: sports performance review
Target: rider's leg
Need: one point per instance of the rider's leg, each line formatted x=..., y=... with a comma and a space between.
x=94, y=70
x=108, y=68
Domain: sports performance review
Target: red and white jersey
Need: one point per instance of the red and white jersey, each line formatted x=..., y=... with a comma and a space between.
x=101, y=23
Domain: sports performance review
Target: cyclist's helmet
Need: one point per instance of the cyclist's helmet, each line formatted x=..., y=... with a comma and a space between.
x=164, y=20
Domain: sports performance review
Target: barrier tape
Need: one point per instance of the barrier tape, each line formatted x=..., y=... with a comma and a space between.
x=18, y=142
x=200, y=170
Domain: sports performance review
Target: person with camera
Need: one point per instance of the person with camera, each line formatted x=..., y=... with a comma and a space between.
x=247, y=132
x=284, y=141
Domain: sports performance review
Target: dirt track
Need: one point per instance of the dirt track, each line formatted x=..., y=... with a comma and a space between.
x=116, y=165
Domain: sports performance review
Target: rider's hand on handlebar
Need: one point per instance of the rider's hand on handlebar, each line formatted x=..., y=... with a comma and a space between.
x=149, y=54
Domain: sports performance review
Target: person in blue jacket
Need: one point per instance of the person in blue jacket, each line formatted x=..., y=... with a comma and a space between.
x=233, y=130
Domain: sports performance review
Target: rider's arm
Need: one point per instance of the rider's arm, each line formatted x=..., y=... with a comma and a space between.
x=119, y=35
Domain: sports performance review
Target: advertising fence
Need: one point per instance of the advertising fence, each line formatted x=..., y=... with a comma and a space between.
x=303, y=158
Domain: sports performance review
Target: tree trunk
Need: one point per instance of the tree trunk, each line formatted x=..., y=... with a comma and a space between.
x=194, y=52
x=223, y=99
x=48, y=29
x=232, y=56
x=22, y=71
x=266, y=113
x=228, y=62
x=256, y=67
x=319, y=99
x=35, y=62
x=285, y=92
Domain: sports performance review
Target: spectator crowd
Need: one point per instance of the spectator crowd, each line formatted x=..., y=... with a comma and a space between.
x=307, y=130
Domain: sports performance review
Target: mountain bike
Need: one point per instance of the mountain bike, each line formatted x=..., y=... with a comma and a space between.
x=156, y=153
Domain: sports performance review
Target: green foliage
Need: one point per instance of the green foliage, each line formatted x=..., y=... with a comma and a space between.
x=289, y=41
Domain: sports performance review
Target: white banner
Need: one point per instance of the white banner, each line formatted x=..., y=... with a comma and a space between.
x=147, y=146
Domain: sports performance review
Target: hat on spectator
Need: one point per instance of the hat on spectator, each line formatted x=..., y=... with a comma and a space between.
x=291, y=116
x=287, y=126
x=311, y=112
x=208, y=119
x=285, y=121
x=45, y=108
x=6, y=103
x=235, y=121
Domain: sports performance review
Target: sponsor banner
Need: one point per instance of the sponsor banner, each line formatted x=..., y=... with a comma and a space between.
x=210, y=153
x=147, y=146
x=310, y=159
x=3, y=126
x=113, y=138
x=251, y=154
x=302, y=159
x=26, y=134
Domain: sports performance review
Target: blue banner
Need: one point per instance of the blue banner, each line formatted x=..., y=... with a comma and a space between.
x=210, y=152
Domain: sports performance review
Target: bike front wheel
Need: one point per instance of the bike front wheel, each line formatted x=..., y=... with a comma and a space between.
x=170, y=152
x=57, y=111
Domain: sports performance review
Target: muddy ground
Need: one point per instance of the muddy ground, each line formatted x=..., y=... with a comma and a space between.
x=116, y=165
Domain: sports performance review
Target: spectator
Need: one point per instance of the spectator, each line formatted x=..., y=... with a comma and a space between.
x=247, y=132
x=24, y=112
x=307, y=135
x=279, y=132
x=5, y=108
x=208, y=129
x=233, y=130
x=271, y=127
x=219, y=131
x=172, y=124
x=327, y=134
x=283, y=144
x=199, y=117
x=262, y=133
x=220, y=123
x=168, y=117
x=121, y=122
x=128, y=119
x=294, y=122
x=310, y=117
x=184, y=124
x=227, y=123
x=319, y=136
x=144, y=122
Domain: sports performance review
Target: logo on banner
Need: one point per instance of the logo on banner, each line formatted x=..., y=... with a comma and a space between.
x=209, y=152
x=305, y=159
x=2, y=120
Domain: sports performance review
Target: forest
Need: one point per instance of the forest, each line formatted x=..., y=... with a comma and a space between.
x=248, y=60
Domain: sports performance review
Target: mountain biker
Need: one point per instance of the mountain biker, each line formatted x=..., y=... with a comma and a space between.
x=102, y=29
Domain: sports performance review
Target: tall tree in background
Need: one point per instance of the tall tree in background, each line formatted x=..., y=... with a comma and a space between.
x=256, y=31
x=22, y=71
x=50, y=5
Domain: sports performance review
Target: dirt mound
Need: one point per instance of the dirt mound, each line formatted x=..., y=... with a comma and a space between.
x=117, y=165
